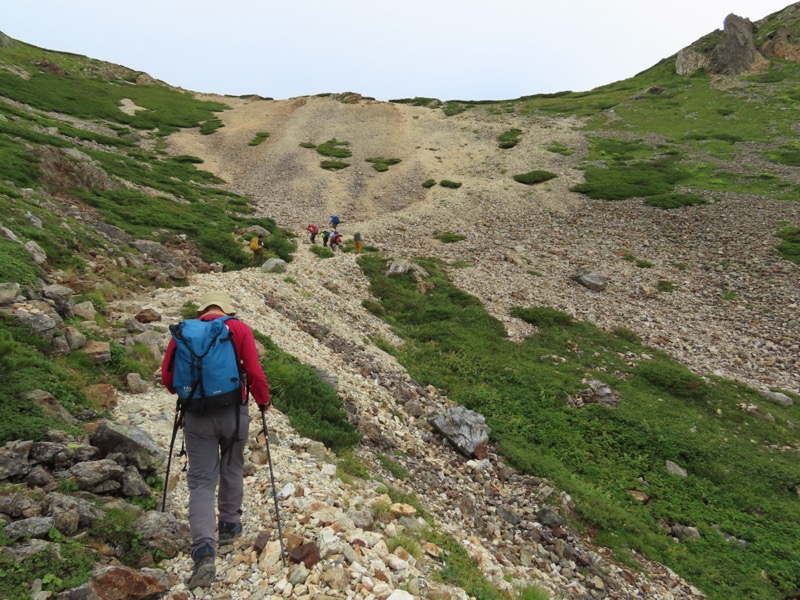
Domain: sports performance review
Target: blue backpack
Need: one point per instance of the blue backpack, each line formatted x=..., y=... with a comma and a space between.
x=205, y=365
x=335, y=220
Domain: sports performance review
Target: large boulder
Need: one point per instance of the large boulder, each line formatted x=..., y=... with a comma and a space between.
x=465, y=429
x=736, y=53
x=136, y=444
x=163, y=532
x=61, y=297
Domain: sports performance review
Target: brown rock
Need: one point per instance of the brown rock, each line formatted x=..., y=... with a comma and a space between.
x=122, y=583
x=308, y=554
x=148, y=315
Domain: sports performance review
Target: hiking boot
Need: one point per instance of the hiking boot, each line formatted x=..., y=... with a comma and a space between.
x=204, y=568
x=228, y=532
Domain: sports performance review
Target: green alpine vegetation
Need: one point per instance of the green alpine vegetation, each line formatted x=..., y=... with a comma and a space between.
x=740, y=484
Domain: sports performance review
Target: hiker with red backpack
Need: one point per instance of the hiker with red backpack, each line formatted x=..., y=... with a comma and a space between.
x=335, y=241
x=313, y=230
x=212, y=364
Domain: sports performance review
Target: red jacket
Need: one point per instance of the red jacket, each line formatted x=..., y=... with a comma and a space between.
x=245, y=351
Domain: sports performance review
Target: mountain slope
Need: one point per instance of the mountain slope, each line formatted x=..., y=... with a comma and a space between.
x=120, y=199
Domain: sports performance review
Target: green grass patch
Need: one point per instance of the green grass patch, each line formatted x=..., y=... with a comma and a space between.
x=509, y=139
x=333, y=165
x=446, y=183
x=787, y=154
x=533, y=177
x=428, y=183
x=461, y=571
x=313, y=407
x=382, y=164
x=397, y=470
x=789, y=247
x=559, y=148
x=597, y=453
x=321, y=251
x=258, y=138
x=448, y=237
x=335, y=149
x=665, y=286
x=211, y=125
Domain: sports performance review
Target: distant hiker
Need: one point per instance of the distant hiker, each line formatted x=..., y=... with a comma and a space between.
x=326, y=235
x=335, y=241
x=313, y=230
x=357, y=238
x=334, y=222
x=257, y=246
x=213, y=412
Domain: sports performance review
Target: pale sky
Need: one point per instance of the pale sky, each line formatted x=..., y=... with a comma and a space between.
x=446, y=49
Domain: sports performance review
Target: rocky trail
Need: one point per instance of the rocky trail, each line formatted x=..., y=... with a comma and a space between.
x=513, y=525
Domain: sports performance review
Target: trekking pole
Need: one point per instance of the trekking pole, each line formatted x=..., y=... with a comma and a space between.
x=274, y=491
x=175, y=427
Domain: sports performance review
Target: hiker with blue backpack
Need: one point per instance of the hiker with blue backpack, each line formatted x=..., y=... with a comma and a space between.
x=334, y=222
x=212, y=364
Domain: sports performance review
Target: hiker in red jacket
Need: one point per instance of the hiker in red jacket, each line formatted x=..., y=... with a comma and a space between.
x=214, y=449
x=313, y=230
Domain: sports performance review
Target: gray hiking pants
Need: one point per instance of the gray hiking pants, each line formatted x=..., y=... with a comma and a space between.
x=207, y=436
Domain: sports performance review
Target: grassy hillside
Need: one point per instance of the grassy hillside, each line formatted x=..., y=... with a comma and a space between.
x=741, y=488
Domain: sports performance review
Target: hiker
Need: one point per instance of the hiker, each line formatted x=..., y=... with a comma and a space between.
x=326, y=235
x=334, y=222
x=357, y=238
x=257, y=246
x=215, y=429
x=335, y=241
x=313, y=230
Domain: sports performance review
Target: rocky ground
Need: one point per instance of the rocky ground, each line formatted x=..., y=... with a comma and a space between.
x=513, y=525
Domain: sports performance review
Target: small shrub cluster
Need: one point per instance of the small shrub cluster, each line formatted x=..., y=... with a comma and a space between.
x=258, y=138
x=533, y=177
x=321, y=251
x=450, y=184
x=508, y=139
x=447, y=237
x=428, y=183
x=334, y=165
x=383, y=164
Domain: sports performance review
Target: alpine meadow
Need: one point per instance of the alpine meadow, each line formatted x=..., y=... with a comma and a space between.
x=565, y=363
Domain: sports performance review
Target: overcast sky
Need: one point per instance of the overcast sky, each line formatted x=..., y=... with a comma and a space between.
x=446, y=49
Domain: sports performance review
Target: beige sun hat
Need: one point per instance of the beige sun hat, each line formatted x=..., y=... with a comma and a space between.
x=220, y=299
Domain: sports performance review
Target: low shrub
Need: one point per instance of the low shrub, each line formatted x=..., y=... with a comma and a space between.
x=429, y=183
x=335, y=149
x=450, y=184
x=333, y=165
x=322, y=251
x=790, y=244
x=533, y=177
x=210, y=126
x=508, y=139
x=258, y=138
x=447, y=237
x=543, y=316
